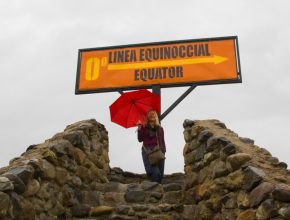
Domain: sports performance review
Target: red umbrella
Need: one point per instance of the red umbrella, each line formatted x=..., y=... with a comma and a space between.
x=131, y=107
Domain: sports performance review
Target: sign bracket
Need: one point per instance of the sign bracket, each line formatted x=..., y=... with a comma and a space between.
x=120, y=91
x=170, y=108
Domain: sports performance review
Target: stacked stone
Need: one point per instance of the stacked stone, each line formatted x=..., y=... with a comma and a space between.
x=68, y=177
x=228, y=177
x=118, y=175
x=140, y=200
x=57, y=179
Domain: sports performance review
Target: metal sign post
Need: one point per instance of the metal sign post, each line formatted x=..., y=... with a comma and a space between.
x=186, y=93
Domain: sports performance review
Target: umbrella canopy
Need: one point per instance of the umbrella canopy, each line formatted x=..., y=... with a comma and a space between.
x=131, y=107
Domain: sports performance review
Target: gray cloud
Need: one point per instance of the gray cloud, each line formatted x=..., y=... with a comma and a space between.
x=39, y=43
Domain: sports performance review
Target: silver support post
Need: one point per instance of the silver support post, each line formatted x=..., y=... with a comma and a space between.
x=156, y=89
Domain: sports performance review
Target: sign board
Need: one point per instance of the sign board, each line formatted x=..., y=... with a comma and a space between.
x=167, y=64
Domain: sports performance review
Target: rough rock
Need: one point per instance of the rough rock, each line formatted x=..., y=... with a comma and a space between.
x=47, y=169
x=5, y=184
x=228, y=150
x=261, y=192
x=172, y=197
x=24, y=173
x=69, y=177
x=172, y=187
x=32, y=187
x=101, y=210
x=4, y=204
x=123, y=209
x=266, y=210
x=188, y=123
x=235, y=161
x=80, y=210
x=249, y=214
x=281, y=193
x=285, y=212
x=253, y=176
x=18, y=184
x=135, y=196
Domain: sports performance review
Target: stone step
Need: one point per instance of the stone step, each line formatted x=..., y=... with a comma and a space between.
x=118, y=175
x=138, y=211
x=139, y=200
x=139, y=186
x=144, y=192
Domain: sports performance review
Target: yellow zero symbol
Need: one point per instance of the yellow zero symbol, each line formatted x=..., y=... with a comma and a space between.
x=93, y=65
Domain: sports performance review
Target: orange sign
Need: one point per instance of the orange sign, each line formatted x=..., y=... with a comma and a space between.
x=174, y=63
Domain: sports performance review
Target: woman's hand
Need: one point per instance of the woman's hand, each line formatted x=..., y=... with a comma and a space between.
x=139, y=124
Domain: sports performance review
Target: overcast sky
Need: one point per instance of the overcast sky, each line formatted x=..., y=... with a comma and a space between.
x=39, y=42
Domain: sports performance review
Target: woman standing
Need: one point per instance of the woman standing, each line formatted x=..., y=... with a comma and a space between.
x=152, y=134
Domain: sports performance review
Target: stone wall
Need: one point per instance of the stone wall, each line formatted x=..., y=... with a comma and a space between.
x=228, y=177
x=58, y=178
x=69, y=177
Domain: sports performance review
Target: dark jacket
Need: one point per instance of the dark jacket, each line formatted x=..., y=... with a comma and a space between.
x=148, y=136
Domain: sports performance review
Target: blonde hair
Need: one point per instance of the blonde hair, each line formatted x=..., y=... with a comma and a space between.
x=146, y=121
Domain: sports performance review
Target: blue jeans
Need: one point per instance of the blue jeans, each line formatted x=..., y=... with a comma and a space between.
x=154, y=172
